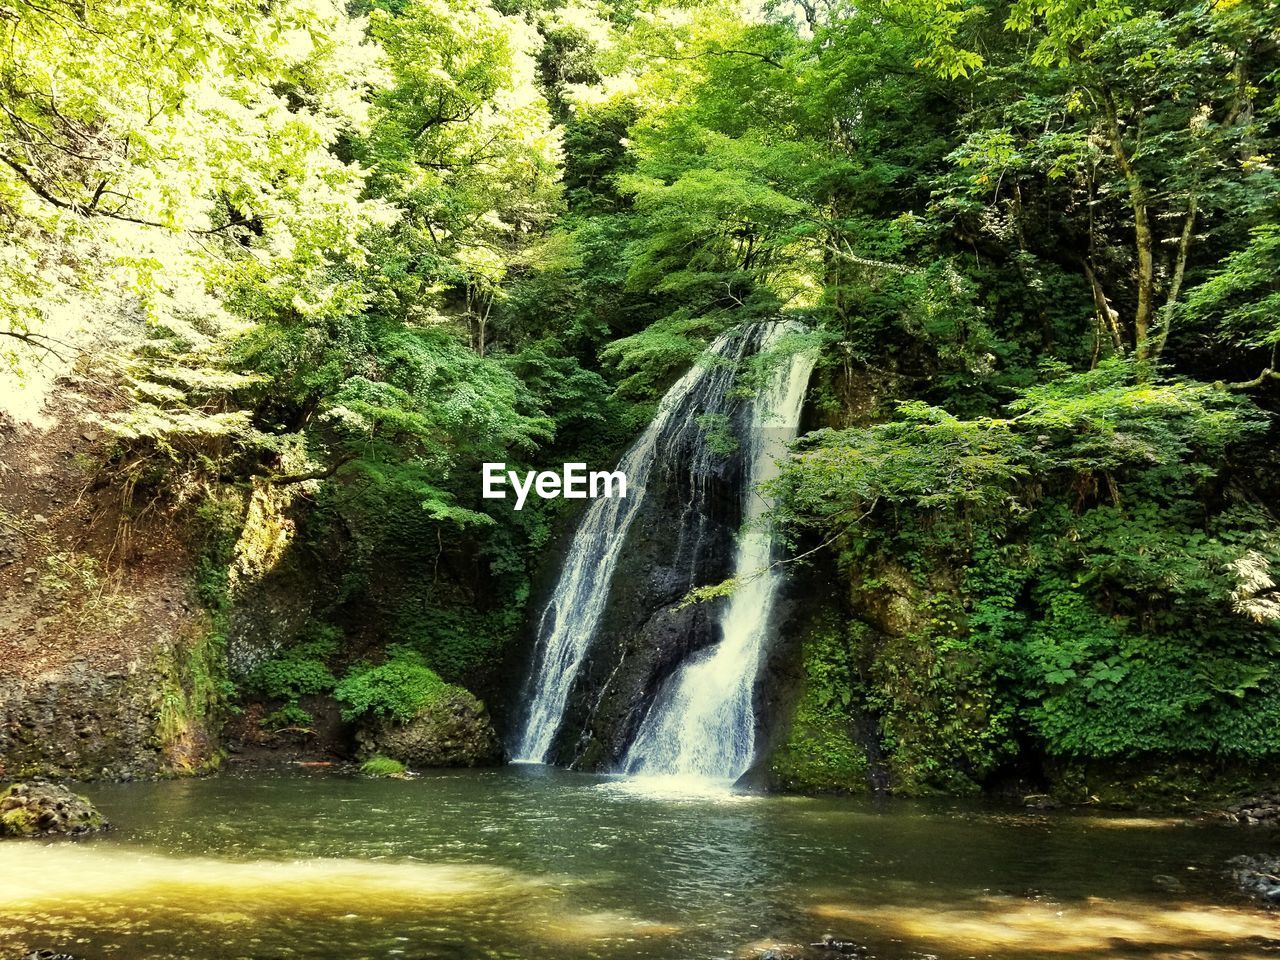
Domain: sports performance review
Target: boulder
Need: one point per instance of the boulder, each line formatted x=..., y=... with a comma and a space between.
x=39, y=808
x=453, y=730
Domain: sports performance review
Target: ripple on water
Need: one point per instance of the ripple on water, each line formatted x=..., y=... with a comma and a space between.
x=676, y=788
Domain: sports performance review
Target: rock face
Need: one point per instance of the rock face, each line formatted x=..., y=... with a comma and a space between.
x=81, y=722
x=40, y=808
x=454, y=730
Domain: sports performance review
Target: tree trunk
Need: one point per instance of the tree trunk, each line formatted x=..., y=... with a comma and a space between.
x=1144, y=239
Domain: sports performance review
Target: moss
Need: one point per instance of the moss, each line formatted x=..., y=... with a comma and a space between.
x=453, y=730
x=192, y=697
x=195, y=691
x=821, y=751
x=380, y=766
x=19, y=822
x=820, y=754
x=266, y=532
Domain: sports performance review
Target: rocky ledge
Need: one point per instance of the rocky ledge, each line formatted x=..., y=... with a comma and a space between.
x=39, y=808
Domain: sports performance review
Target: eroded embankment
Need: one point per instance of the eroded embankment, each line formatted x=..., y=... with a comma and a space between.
x=97, y=617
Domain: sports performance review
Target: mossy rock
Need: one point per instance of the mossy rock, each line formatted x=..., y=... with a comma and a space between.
x=821, y=751
x=383, y=768
x=820, y=755
x=40, y=808
x=452, y=730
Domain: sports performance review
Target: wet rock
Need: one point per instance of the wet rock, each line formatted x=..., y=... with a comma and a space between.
x=844, y=948
x=1039, y=801
x=1257, y=877
x=825, y=949
x=39, y=808
x=454, y=730
x=1167, y=883
x=776, y=951
x=1260, y=810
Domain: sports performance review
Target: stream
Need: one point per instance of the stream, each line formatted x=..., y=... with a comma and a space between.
x=534, y=862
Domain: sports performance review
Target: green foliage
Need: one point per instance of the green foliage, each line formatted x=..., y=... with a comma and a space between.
x=928, y=458
x=1135, y=649
x=821, y=751
x=298, y=671
x=1172, y=433
x=455, y=641
x=943, y=721
x=1242, y=295
x=218, y=521
x=1098, y=610
x=290, y=716
x=651, y=358
x=397, y=690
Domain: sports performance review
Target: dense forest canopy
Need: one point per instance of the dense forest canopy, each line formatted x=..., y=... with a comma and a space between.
x=336, y=256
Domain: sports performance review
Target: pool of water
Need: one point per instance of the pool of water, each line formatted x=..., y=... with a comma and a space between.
x=533, y=863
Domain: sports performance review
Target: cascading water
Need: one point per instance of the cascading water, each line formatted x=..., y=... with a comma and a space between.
x=567, y=626
x=702, y=724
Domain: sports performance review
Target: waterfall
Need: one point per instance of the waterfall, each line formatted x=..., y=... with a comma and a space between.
x=568, y=623
x=702, y=724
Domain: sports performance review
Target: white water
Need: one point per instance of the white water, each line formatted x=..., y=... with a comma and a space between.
x=702, y=726
x=568, y=623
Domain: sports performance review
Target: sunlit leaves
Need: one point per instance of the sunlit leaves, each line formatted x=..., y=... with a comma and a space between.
x=1243, y=295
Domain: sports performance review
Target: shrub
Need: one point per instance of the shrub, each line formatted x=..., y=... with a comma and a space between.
x=299, y=670
x=290, y=715
x=397, y=689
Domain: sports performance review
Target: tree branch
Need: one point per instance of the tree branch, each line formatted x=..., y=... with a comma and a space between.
x=1267, y=374
x=866, y=261
x=61, y=204
x=1104, y=309
x=762, y=57
x=38, y=340
x=283, y=479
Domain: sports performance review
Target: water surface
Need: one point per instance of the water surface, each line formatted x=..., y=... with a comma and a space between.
x=532, y=863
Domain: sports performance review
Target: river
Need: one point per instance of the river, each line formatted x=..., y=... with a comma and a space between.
x=531, y=862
